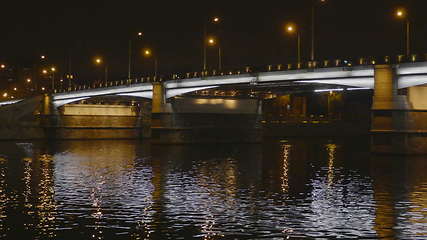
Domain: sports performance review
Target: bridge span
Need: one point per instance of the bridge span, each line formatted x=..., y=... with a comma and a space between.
x=407, y=74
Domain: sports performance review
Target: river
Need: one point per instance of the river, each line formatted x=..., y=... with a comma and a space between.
x=299, y=188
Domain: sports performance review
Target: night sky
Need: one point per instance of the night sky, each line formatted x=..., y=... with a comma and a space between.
x=251, y=32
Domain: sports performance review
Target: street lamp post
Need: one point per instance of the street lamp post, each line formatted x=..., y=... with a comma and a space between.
x=70, y=77
x=204, y=47
x=148, y=53
x=28, y=85
x=129, y=59
x=299, y=47
x=291, y=29
x=408, y=37
x=155, y=67
x=313, y=12
x=402, y=14
x=99, y=61
x=106, y=75
x=313, y=26
x=211, y=41
x=53, y=70
x=40, y=63
x=52, y=76
x=139, y=35
x=214, y=20
x=219, y=58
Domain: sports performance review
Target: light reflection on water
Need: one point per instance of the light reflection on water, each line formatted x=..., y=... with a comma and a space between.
x=132, y=190
x=3, y=196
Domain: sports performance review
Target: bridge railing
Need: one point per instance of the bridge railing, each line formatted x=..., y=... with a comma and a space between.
x=348, y=62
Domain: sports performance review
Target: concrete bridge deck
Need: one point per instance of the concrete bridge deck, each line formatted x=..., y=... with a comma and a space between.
x=408, y=75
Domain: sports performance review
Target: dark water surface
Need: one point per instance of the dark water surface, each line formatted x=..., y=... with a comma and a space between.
x=296, y=189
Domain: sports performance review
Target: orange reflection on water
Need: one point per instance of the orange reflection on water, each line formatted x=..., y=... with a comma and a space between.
x=286, y=149
x=46, y=205
x=112, y=157
x=331, y=148
x=3, y=196
x=28, y=172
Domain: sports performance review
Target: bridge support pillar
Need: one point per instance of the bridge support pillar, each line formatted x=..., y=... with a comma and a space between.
x=395, y=126
x=144, y=121
x=159, y=98
x=385, y=90
x=161, y=115
x=48, y=116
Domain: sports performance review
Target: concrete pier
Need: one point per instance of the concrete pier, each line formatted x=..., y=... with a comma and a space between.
x=397, y=126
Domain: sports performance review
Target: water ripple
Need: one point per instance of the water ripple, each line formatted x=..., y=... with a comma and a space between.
x=286, y=190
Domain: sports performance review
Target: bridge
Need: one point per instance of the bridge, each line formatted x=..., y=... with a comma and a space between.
x=353, y=78
x=166, y=110
x=408, y=75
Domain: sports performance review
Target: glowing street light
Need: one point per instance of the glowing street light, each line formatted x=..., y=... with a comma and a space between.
x=43, y=57
x=28, y=80
x=211, y=41
x=402, y=13
x=292, y=29
x=2, y=66
x=147, y=52
x=44, y=71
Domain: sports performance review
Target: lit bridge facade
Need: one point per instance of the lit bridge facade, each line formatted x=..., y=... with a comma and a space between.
x=352, y=78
